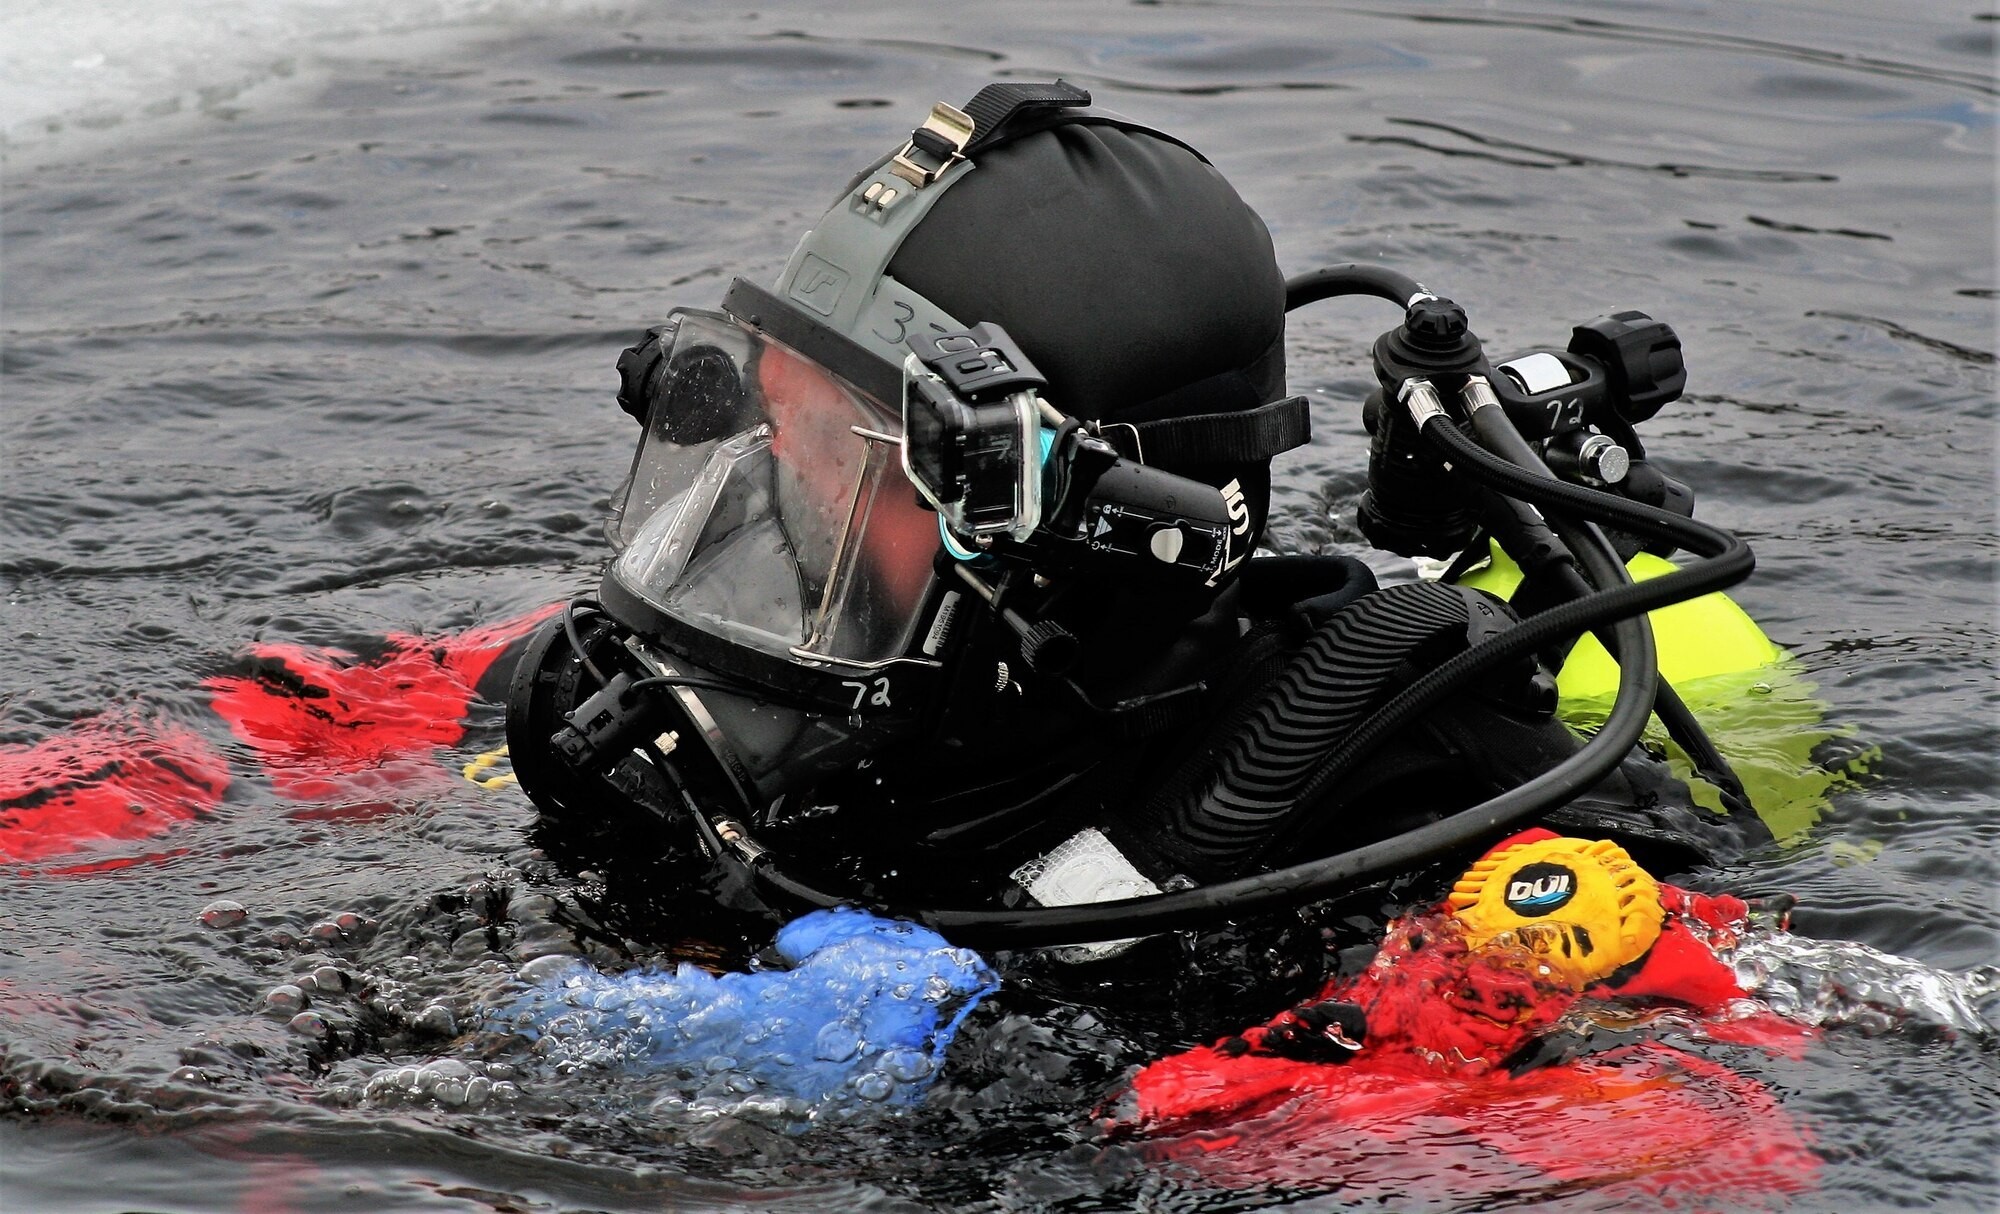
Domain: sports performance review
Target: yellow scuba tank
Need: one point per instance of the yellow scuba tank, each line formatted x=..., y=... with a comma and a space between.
x=1756, y=702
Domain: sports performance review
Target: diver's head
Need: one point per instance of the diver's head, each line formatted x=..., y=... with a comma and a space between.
x=1119, y=259
x=794, y=600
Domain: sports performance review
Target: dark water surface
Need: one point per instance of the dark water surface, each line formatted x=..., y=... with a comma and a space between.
x=316, y=372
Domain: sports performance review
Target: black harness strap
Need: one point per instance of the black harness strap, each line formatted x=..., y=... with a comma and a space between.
x=1246, y=436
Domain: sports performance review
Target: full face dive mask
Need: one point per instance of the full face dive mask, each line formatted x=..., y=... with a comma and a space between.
x=840, y=477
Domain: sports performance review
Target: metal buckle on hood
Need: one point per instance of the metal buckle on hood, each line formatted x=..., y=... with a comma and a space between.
x=940, y=140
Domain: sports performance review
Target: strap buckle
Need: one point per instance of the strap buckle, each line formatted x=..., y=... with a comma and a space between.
x=933, y=147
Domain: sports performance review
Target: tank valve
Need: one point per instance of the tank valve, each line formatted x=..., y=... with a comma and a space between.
x=1594, y=458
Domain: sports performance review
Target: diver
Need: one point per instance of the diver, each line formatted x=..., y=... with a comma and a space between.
x=935, y=593
x=933, y=588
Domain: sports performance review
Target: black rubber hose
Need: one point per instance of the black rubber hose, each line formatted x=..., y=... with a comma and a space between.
x=719, y=850
x=764, y=870
x=1730, y=561
x=1351, y=278
x=576, y=639
x=1035, y=926
x=1248, y=802
x=1360, y=278
x=1302, y=883
x=1595, y=551
x=1496, y=432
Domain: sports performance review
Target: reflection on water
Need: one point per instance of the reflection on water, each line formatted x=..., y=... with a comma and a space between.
x=317, y=366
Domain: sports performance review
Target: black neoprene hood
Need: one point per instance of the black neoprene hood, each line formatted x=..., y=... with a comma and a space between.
x=1125, y=266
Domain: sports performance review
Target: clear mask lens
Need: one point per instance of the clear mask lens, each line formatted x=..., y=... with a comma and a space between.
x=760, y=511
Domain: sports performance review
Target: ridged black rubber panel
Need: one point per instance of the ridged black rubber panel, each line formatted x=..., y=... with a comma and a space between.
x=1217, y=825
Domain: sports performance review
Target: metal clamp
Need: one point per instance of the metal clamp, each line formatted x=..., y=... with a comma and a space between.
x=747, y=849
x=816, y=658
x=1478, y=394
x=940, y=140
x=1421, y=398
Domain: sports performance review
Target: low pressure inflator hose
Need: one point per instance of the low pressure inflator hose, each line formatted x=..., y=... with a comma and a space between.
x=1497, y=433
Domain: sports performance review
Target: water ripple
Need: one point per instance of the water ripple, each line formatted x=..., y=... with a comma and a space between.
x=1552, y=158
x=1948, y=348
x=1708, y=40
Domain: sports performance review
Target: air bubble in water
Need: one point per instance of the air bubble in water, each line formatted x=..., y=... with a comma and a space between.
x=836, y=1042
x=874, y=1087
x=549, y=968
x=223, y=913
x=906, y=1066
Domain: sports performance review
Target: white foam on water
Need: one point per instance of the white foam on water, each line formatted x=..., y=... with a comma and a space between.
x=1836, y=982
x=68, y=70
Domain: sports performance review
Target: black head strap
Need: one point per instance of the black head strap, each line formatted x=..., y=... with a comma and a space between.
x=1243, y=436
x=1002, y=113
x=999, y=106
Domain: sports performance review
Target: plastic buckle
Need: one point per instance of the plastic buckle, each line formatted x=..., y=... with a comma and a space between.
x=941, y=140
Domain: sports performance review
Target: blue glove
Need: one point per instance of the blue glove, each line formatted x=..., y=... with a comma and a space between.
x=862, y=1016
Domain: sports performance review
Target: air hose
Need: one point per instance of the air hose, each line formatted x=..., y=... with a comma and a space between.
x=1728, y=561
x=1351, y=278
x=1496, y=432
x=1248, y=802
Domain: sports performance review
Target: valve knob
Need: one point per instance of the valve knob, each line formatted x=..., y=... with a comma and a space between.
x=1046, y=649
x=1581, y=455
x=1641, y=358
x=1435, y=324
x=1604, y=459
